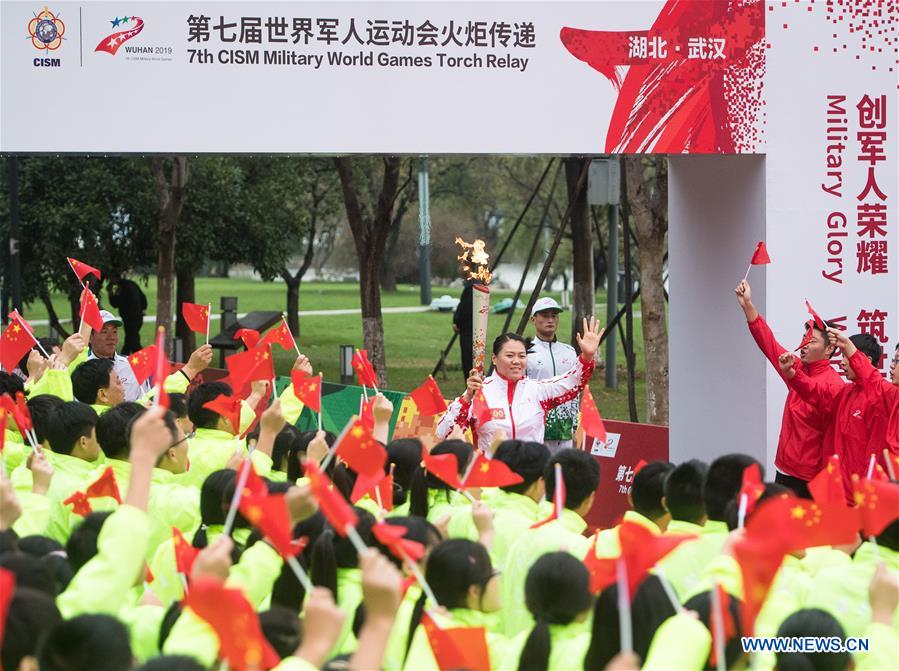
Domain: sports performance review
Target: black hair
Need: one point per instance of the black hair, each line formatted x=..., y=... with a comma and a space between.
x=648, y=489
x=557, y=590
x=281, y=628
x=723, y=481
x=204, y=418
x=404, y=455
x=510, y=337
x=70, y=422
x=10, y=384
x=30, y=572
x=298, y=447
x=868, y=345
x=422, y=481
x=417, y=529
x=90, y=377
x=51, y=554
x=285, y=444
x=650, y=607
x=889, y=537
x=86, y=643
x=172, y=613
x=701, y=604
x=287, y=591
x=811, y=323
x=112, y=429
x=31, y=614
x=8, y=540
x=812, y=622
x=172, y=663
x=683, y=491
x=82, y=544
x=41, y=408
x=771, y=490
x=214, y=500
x=526, y=458
x=331, y=552
x=178, y=405
x=580, y=471
x=453, y=567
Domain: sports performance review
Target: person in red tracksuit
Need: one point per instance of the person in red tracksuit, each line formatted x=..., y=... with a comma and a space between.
x=800, y=447
x=858, y=424
x=885, y=391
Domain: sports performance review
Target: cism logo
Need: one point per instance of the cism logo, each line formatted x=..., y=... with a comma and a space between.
x=46, y=32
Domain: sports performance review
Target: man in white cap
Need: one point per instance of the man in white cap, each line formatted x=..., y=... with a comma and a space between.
x=549, y=358
x=103, y=345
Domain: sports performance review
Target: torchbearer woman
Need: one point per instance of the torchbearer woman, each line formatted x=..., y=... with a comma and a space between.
x=513, y=402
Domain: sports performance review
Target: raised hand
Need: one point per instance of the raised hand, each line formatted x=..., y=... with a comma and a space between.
x=199, y=361
x=302, y=363
x=589, y=341
x=786, y=361
x=474, y=382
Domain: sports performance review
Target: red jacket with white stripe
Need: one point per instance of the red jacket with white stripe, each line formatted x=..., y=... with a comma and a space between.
x=517, y=407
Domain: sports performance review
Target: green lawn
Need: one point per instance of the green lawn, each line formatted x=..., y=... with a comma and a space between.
x=413, y=341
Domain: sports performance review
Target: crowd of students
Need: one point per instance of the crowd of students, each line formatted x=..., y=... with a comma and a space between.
x=92, y=579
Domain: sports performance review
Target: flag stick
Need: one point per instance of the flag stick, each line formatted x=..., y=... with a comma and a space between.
x=378, y=497
x=746, y=276
x=183, y=582
x=208, y=320
x=301, y=575
x=669, y=590
x=741, y=513
x=889, y=462
x=717, y=621
x=416, y=572
x=624, y=608
x=871, y=462
x=319, y=420
x=558, y=503
x=468, y=469
x=235, y=500
x=355, y=539
x=467, y=495
x=333, y=448
x=295, y=346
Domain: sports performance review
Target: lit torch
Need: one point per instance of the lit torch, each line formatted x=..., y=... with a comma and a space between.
x=475, y=260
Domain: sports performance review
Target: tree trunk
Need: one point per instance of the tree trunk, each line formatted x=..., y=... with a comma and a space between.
x=370, y=224
x=52, y=317
x=293, y=302
x=584, y=299
x=648, y=202
x=171, y=190
x=186, y=294
x=388, y=266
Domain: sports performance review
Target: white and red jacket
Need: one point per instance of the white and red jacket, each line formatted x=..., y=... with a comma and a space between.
x=517, y=407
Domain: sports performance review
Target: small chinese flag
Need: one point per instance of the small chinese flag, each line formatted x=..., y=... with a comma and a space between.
x=490, y=473
x=15, y=343
x=481, y=412
x=235, y=623
x=196, y=317
x=82, y=270
x=162, y=369
x=308, y=389
x=228, y=407
x=827, y=486
x=640, y=465
x=807, y=338
x=90, y=311
x=751, y=487
x=878, y=503
x=595, y=567
x=720, y=619
x=280, y=335
x=364, y=370
x=367, y=412
x=254, y=364
x=391, y=536
x=268, y=513
x=359, y=449
x=185, y=553
x=559, y=497
x=760, y=255
x=334, y=507
x=378, y=487
x=817, y=524
x=759, y=558
x=105, y=485
x=590, y=420
x=819, y=323
x=18, y=408
x=457, y=648
x=7, y=590
x=445, y=467
x=249, y=337
x=80, y=504
x=143, y=363
x=428, y=398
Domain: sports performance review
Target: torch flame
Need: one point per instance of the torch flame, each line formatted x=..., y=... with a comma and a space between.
x=475, y=260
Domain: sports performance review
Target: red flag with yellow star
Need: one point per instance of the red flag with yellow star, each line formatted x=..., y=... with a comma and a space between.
x=827, y=486
x=254, y=364
x=878, y=504
x=235, y=623
x=143, y=363
x=392, y=537
x=268, y=513
x=458, y=647
x=80, y=504
x=759, y=557
x=228, y=407
x=185, y=553
x=334, y=507
x=18, y=408
x=591, y=421
x=364, y=370
x=105, y=485
x=428, y=398
x=308, y=389
x=15, y=343
x=444, y=467
x=162, y=369
x=82, y=270
x=90, y=311
x=249, y=337
x=279, y=335
x=751, y=486
x=378, y=487
x=359, y=449
x=196, y=317
x=486, y=472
